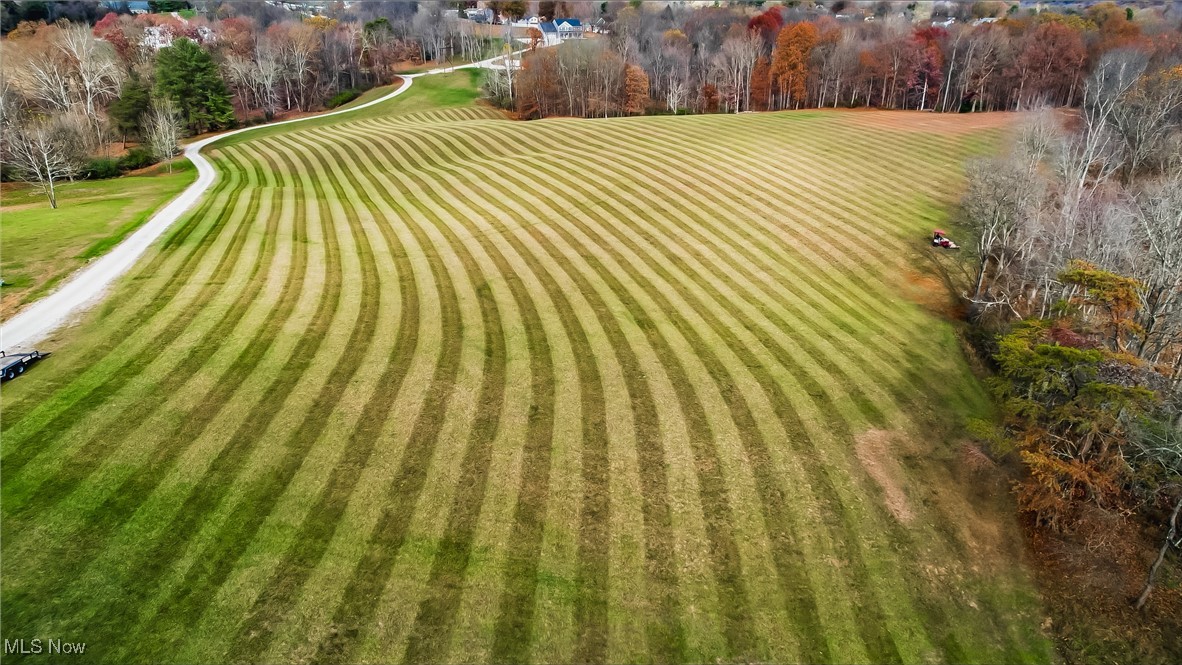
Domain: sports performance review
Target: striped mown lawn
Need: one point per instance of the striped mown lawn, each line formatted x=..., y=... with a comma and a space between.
x=435, y=386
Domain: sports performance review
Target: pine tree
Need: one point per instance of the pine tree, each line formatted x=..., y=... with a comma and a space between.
x=128, y=110
x=186, y=74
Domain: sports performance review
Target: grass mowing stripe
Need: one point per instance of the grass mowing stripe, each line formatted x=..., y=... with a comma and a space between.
x=137, y=488
x=514, y=635
x=372, y=571
x=796, y=587
x=804, y=612
x=186, y=606
x=513, y=627
x=34, y=494
x=723, y=548
x=821, y=239
x=128, y=302
x=741, y=248
x=697, y=276
x=749, y=363
x=73, y=552
x=520, y=577
x=62, y=421
x=930, y=614
x=749, y=191
x=597, y=643
x=514, y=624
x=665, y=633
x=763, y=152
x=591, y=602
x=728, y=575
x=740, y=285
x=310, y=615
x=664, y=630
x=913, y=540
x=905, y=361
x=319, y=526
x=631, y=202
x=428, y=639
x=89, y=457
x=851, y=378
x=953, y=646
x=906, y=535
x=352, y=161
x=158, y=556
x=431, y=631
x=892, y=154
x=892, y=246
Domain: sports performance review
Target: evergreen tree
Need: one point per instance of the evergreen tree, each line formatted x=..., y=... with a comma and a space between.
x=127, y=112
x=186, y=74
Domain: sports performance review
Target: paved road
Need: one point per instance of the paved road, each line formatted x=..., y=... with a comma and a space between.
x=87, y=287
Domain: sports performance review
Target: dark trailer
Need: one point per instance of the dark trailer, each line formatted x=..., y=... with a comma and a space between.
x=13, y=365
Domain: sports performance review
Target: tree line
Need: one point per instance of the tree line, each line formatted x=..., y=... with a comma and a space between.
x=735, y=59
x=70, y=89
x=1073, y=285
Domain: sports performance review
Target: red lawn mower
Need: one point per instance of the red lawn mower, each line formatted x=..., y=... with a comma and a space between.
x=940, y=239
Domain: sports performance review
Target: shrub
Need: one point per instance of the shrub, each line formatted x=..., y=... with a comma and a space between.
x=101, y=169
x=343, y=97
x=137, y=158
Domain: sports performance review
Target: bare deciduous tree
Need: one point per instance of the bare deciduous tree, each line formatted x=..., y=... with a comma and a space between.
x=734, y=63
x=95, y=67
x=1158, y=211
x=1001, y=193
x=1146, y=113
x=164, y=130
x=42, y=75
x=43, y=152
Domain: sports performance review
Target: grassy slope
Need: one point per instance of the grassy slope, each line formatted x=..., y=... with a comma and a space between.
x=441, y=91
x=40, y=245
x=424, y=386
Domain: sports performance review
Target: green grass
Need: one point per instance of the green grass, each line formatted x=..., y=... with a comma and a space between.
x=432, y=93
x=41, y=246
x=421, y=385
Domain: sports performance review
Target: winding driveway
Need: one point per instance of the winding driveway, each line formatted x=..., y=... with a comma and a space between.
x=87, y=287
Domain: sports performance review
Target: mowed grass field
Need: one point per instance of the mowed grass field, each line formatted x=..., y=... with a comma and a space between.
x=435, y=386
x=40, y=246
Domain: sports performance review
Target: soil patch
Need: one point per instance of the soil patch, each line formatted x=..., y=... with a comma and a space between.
x=874, y=450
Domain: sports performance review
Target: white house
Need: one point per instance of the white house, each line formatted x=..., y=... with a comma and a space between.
x=569, y=28
x=561, y=29
x=549, y=33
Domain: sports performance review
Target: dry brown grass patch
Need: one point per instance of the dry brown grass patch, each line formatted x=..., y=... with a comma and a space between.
x=953, y=124
x=874, y=450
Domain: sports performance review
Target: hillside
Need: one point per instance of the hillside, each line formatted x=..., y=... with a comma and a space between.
x=433, y=385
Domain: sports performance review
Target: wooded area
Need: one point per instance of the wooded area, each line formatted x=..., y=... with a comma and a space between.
x=1074, y=290
x=709, y=59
